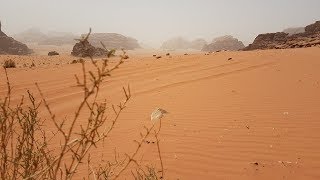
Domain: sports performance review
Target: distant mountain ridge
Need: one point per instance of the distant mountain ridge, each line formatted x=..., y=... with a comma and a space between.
x=111, y=40
x=34, y=35
x=181, y=43
x=31, y=35
x=224, y=43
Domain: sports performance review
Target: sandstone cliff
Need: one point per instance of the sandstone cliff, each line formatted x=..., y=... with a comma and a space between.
x=282, y=40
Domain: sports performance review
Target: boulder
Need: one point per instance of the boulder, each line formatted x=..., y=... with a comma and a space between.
x=53, y=53
x=10, y=46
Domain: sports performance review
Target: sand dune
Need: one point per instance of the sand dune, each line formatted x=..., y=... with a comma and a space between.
x=253, y=117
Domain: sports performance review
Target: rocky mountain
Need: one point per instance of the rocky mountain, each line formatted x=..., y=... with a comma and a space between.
x=10, y=46
x=292, y=31
x=34, y=35
x=313, y=28
x=181, y=43
x=282, y=40
x=197, y=44
x=113, y=41
x=175, y=43
x=58, y=39
x=224, y=43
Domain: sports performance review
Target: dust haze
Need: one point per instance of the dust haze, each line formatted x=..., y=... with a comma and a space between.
x=153, y=22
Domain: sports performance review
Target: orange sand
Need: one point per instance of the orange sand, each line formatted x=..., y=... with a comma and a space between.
x=262, y=106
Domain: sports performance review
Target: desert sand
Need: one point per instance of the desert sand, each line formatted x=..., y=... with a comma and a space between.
x=253, y=117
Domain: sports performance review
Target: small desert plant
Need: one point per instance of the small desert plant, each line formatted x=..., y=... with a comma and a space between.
x=27, y=150
x=77, y=61
x=9, y=64
x=32, y=65
x=111, y=52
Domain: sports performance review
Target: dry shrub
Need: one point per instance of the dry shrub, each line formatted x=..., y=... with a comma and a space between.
x=26, y=150
x=77, y=61
x=9, y=64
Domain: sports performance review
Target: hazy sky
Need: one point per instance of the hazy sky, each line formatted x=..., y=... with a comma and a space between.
x=153, y=21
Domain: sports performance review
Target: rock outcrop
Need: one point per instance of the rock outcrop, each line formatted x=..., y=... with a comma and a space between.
x=268, y=41
x=282, y=40
x=313, y=28
x=224, y=43
x=113, y=41
x=85, y=49
x=10, y=46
